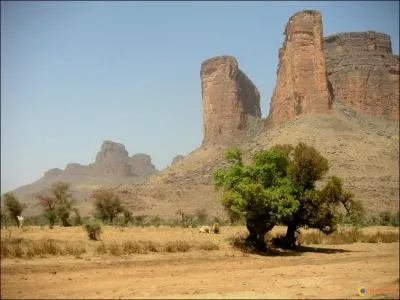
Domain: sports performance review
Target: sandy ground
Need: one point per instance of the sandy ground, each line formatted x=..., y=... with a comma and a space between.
x=317, y=271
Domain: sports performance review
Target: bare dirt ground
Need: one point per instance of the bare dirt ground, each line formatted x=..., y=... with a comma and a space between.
x=317, y=271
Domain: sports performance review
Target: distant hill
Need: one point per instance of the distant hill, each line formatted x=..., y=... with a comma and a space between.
x=112, y=166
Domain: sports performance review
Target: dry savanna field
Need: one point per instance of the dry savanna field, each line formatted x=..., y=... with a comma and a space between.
x=164, y=262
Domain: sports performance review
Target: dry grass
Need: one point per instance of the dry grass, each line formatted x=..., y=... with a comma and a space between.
x=21, y=247
x=144, y=247
x=73, y=241
x=348, y=236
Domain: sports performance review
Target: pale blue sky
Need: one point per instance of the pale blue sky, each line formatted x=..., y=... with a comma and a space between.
x=76, y=73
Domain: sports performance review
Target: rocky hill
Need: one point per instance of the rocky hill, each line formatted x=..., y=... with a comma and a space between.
x=112, y=166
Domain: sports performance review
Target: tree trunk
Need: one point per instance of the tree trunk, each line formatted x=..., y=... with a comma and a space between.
x=290, y=238
x=258, y=227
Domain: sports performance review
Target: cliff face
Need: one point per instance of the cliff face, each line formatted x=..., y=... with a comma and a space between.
x=302, y=86
x=229, y=97
x=363, y=72
x=112, y=159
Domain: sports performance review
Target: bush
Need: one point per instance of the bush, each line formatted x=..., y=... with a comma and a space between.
x=93, y=230
x=208, y=246
x=177, y=246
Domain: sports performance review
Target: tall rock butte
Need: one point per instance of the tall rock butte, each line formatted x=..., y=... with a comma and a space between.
x=363, y=72
x=229, y=99
x=302, y=86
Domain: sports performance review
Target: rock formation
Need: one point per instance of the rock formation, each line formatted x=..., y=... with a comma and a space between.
x=140, y=165
x=229, y=97
x=177, y=158
x=74, y=168
x=363, y=72
x=302, y=85
x=112, y=159
x=52, y=173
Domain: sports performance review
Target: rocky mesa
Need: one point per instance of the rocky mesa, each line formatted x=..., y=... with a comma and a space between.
x=364, y=72
x=229, y=99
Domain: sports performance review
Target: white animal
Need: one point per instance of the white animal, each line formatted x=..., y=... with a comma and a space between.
x=20, y=221
x=205, y=229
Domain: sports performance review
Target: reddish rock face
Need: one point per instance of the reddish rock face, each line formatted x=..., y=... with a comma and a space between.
x=363, y=72
x=301, y=86
x=229, y=98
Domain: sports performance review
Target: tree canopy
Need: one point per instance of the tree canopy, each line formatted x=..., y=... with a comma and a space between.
x=279, y=186
x=14, y=207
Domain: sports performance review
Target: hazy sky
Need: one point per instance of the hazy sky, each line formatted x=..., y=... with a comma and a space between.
x=76, y=73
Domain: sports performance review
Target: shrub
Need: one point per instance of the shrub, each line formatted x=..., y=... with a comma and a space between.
x=177, y=246
x=208, y=246
x=101, y=248
x=108, y=205
x=93, y=230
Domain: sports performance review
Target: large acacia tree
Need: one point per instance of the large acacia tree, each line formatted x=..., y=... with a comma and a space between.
x=279, y=186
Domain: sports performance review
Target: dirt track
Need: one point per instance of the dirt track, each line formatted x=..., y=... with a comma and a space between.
x=326, y=272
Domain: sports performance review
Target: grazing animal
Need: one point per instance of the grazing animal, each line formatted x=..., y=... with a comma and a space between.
x=20, y=221
x=205, y=229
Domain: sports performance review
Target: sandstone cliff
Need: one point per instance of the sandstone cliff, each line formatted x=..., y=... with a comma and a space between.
x=363, y=72
x=301, y=86
x=229, y=98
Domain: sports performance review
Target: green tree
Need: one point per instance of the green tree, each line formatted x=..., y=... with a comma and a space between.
x=260, y=192
x=107, y=204
x=58, y=204
x=317, y=208
x=48, y=203
x=14, y=207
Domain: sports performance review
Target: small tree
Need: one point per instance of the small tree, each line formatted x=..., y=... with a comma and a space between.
x=58, y=204
x=107, y=205
x=48, y=203
x=93, y=229
x=127, y=216
x=13, y=206
x=77, y=220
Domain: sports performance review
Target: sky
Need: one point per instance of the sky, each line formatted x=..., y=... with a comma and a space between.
x=74, y=74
